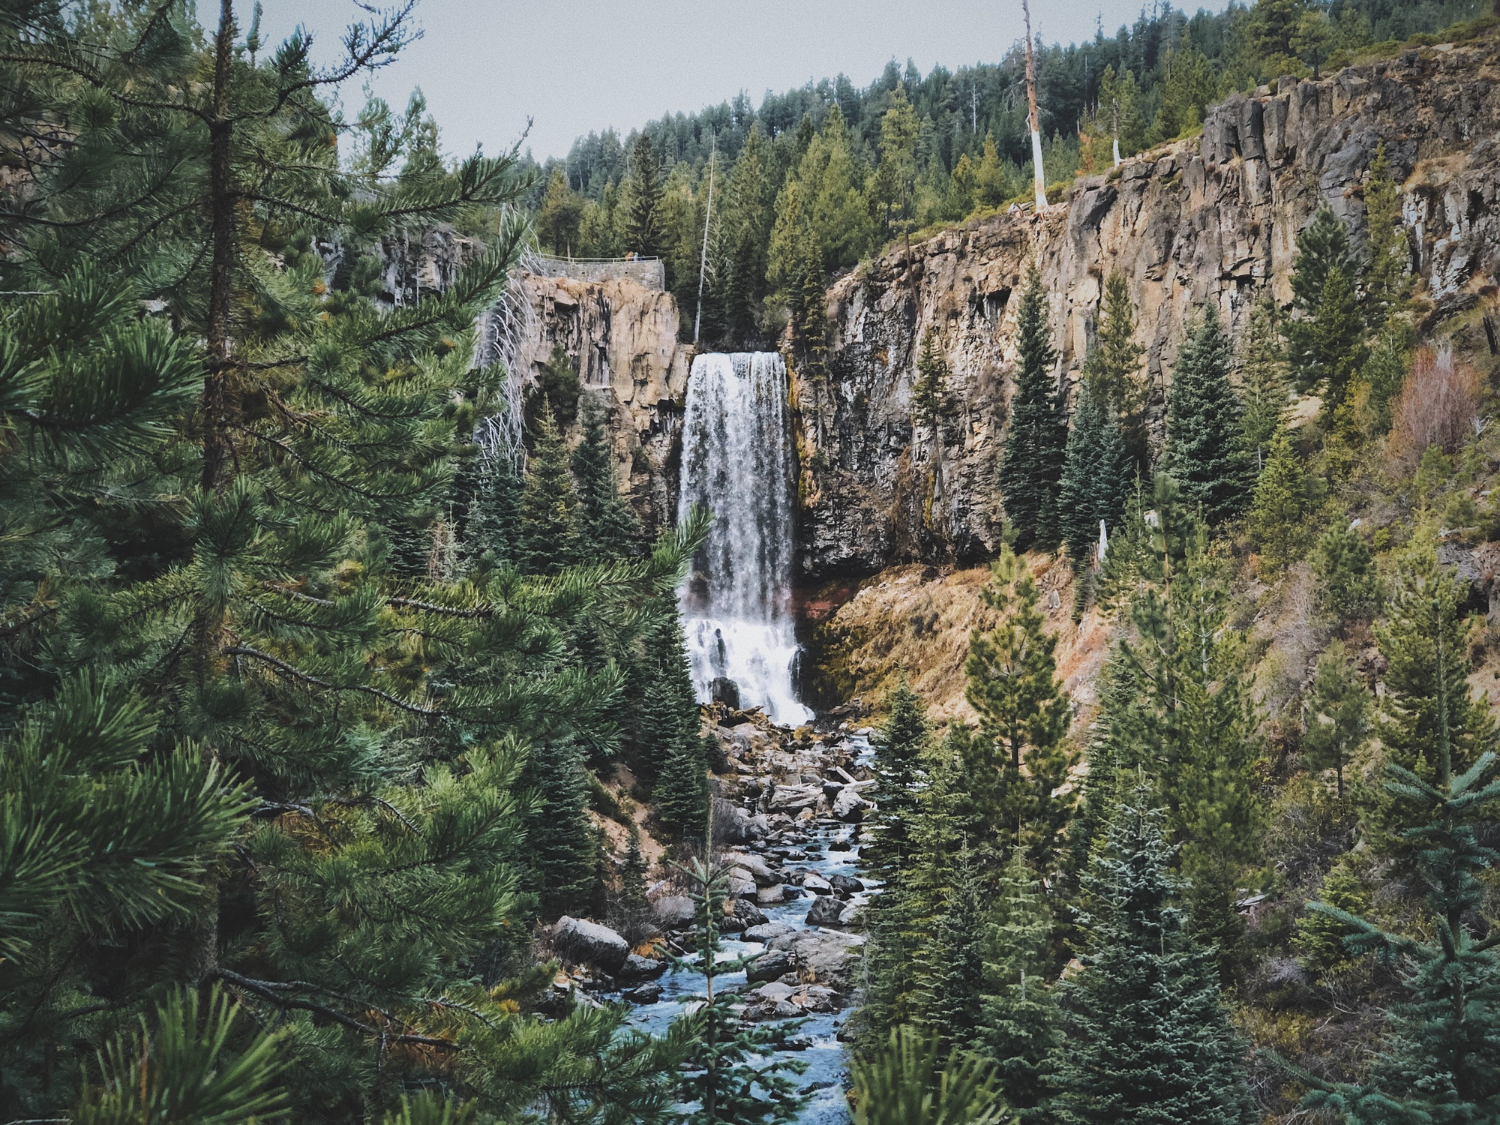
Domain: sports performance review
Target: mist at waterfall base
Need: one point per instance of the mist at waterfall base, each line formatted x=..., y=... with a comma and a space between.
x=737, y=463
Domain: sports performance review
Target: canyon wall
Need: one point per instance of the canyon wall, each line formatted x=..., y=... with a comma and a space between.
x=1207, y=220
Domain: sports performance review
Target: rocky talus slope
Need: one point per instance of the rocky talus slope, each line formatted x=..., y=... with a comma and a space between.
x=1209, y=220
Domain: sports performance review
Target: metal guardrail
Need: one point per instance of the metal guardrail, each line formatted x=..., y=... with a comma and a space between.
x=649, y=272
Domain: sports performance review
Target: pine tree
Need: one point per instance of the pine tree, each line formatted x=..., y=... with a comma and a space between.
x=672, y=756
x=1263, y=376
x=1179, y=708
x=735, y=1075
x=1012, y=684
x=557, y=223
x=1438, y=1060
x=895, y=179
x=545, y=518
x=907, y=1081
x=605, y=524
x=1345, y=570
x=932, y=403
x=1426, y=699
x=1022, y=1031
x=1387, y=281
x=559, y=836
x=1036, y=448
x=1322, y=247
x=1283, y=503
x=898, y=765
x=1338, y=715
x=1096, y=476
x=1204, y=453
x=644, y=231
x=953, y=974
x=1148, y=1039
x=1323, y=343
x=1320, y=937
x=1113, y=367
x=492, y=531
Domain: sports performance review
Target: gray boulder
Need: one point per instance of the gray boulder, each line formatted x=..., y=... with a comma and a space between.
x=825, y=912
x=815, y=883
x=768, y=931
x=648, y=993
x=848, y=805
x=769, y=965
x=637, y=967
x=845, y=884
x=589, y=943
x=828, y=957
x=674, y=912
x=747, y=914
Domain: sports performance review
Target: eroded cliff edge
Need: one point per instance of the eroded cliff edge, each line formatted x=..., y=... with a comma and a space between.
x=1207, y=220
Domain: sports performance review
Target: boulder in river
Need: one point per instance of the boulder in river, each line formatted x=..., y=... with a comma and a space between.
x=769, y=965
x=825, y=956
x=648, y=993
x=825, y=911
x=848, y=805
x=815, y=883
x=589, y=943
x=755, y=866
x=748, y=914
x=674, y=912
x=845, y=884
x=770, y=896
x=768, y=931
x=637, y=967
x=725, y=691
x=791, y=798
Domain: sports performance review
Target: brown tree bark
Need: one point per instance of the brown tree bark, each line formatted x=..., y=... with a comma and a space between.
x=216, y=396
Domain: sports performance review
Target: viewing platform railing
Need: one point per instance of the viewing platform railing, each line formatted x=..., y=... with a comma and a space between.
x=650, y=272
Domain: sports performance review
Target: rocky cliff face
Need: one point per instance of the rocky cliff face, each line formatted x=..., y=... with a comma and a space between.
x=622, y=338
x=1211, y=220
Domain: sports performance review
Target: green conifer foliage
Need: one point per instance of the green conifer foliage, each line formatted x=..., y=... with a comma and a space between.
x=492, y=531
x=1012, y=684
x=645, y=232
x=672, y=751
x=1387, y=280
x=1114, y=369
x=1036, y=447
x=1322, y=247
x=560, y=842
x=1204, y=453
x=1320, y=936
x=953, y=973
x=748, y=212
x=1022, y=1031
x=545, y=519
x=1284, y=501
x=606, y=526
x=1425, y=697
x=907, y=1081
x=1438, y=1061
x=1096, y=476
x=899, y=766
x=1264, y=379
x=1345, y=570
x=1338, y=715
x=1180, y=709
x=932, y=403
x=734, y=1075
x=1148, y=1039
x=1333, y=351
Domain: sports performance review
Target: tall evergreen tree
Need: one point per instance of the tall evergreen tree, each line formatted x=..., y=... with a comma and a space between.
x=1036, y=448
x=1179, y=707
x=545, y=518
x=908, y=1081
x=899, y=766
x=1204, y=453
x=1426, y=698
x=671, y=752
x=1096, y=476
x=1022, y=1030
x=932, y=403
x=1338, y=715
x=645, y=232
x=492, y=530
x=560, y=842
x=1149, y=1040
x=1113, y=367
x=1387, y=280
x=605, y=524
x=1324, y=339
x=1012, y=684
x=1438, y=1060
x=953, y=984
x=1263, y=376
x=1282, y=505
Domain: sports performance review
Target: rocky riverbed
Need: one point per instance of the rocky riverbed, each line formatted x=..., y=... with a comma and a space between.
x=787, y=815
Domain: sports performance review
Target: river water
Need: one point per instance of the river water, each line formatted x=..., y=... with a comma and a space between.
x=817, y=1041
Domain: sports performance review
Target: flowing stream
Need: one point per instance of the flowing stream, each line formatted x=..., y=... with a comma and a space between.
x=803, y=849
x=737, y=462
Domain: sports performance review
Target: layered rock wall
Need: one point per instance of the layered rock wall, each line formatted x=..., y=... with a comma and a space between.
x=1206, y=221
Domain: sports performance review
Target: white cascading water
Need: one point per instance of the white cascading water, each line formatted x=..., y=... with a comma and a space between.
x=737, y=463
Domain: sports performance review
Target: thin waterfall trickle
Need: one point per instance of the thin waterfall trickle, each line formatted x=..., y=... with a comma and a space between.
x=737, y=462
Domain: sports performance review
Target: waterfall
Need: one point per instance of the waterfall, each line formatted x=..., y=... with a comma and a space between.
x=737, y=462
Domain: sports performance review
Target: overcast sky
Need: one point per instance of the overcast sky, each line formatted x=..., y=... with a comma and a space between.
x=576, y=65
